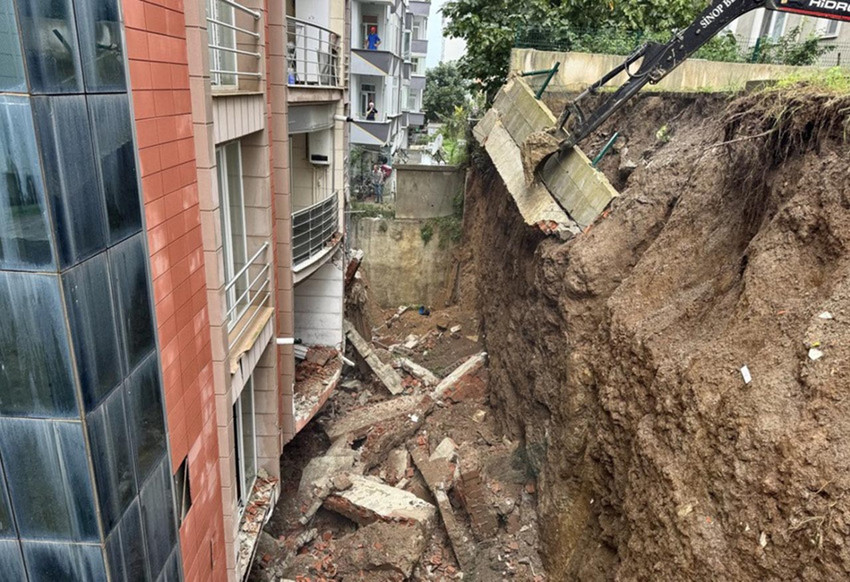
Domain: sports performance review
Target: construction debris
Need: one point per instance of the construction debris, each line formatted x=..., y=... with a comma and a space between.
x=425, y=375
x=260, y=504
x=368, y=500
x=385, y=373
x=471, y=366
x=356, y=424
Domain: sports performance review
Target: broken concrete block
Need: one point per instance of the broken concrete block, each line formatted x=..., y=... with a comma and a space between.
x=385, y=373
x=471, y=366
x=438, y=473
x=446, y=450
x=428, y=378
x=357, y=423
x=368, y=501
x=396, y=465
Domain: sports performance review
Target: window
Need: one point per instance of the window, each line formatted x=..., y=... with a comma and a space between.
x=828, y=28
x=222, y=39
x=418, y=65
x=774, y=26
x=233, y=230
x=246, y=442
x=420, y=27
x=368, y=93
x=182, y=491
x=367, y=22
x=405, y=49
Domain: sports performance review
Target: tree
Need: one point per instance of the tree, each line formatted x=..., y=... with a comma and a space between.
x=445, y=89
x=490, y=26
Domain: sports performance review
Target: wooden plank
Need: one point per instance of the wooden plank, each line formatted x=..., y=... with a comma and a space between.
x=385, y=373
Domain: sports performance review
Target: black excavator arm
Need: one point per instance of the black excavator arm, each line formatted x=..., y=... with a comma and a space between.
x=658, y=60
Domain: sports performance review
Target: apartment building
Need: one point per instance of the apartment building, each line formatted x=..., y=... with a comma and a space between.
x=170, y=229
x=390, y=74
x=773, y=25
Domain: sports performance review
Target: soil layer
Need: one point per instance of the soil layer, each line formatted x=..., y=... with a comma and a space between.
x=616, y=357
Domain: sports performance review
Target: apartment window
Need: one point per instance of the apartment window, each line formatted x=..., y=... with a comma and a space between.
x=828, y=28
x=418, y=65
x=246, y=442
x=774, y=26
x=182, y=490
x=420, y=27
x=222, y=39
x=405, y=49
x=368, y=93
x=366, y=24
x=233, y=230
x=412, y=103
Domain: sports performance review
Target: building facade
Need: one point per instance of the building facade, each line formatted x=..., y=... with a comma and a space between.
x=761, y=23
x=389, y=73
x=170, y=240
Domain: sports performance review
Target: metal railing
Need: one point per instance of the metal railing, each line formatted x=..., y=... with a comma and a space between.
x=249, y=291
x=313, y=55
x=313, y=227
x=227, y=21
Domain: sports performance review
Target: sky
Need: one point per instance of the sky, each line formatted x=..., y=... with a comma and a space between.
x=454, y=47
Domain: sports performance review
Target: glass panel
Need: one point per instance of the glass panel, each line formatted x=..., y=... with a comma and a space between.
x=128, y=267
x=158, y=518
x=224, y=37
x=249, y=436
x=94, y=332
x=171, y=572
x=67, y=154
x=11, y=61
x=11, y=563
x=72, y=562
x=7, y=528
x=101, y=50
x=36, y=377
x=144, y=415
x=113, y=465
x=237, y=235
x=48, y=478
x=50, y=45
x=24, y=240
x=116, y=160
x=125, y=548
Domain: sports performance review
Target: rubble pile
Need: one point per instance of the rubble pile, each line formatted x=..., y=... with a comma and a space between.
x=416, y=482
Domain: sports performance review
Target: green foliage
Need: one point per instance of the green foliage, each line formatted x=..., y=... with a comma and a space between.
x=454, y=131
x=427, y=232
x=834, y=80
x=445, y=90
x=790, y=49
x=369, y=210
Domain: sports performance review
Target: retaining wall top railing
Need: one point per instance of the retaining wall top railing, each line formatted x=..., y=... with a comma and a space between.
x=314, y=55
x=313, y=228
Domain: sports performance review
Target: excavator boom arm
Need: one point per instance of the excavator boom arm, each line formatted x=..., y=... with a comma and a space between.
x=658, y=60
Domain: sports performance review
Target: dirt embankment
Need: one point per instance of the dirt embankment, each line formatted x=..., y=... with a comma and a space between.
x=616, y=357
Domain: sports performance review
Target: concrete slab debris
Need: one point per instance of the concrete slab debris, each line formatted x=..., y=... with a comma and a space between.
x=474, y=499
x=425, y=375
x=396, y=465
x=380, y=548
x=446, y=450
x=368, y=501
x=470, y=366
x=385, y=373
x=358, y=422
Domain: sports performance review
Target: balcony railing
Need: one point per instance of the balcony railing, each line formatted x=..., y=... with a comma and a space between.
x=248, y=292
x=313, y=227
x=312, y=55
x=234, y=41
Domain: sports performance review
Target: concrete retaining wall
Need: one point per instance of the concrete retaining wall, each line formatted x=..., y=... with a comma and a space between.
x=578, y=70
x=402, y=269
x=427, y=191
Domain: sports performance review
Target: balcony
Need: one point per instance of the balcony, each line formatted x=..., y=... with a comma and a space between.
x=378, y=63
x=234, y=44
x=315, y=235
x=248, y=298
x=314, y=61
x=419, y=47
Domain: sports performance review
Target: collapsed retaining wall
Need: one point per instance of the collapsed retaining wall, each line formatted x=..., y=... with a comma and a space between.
x=580, y=70
x=615, y=357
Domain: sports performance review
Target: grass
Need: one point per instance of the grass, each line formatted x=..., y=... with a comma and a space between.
x=834, y=80
x=371, y=210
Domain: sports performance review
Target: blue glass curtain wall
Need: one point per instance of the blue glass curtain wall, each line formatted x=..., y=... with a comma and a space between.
x=85, y=478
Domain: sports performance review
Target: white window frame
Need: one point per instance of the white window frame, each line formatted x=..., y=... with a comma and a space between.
x=224, y=37
x=245, y=486
x=823, y=26
x=364, y=98
x=367, y=21
x=419, y=27
x=413, y=97
x=224, y=153
x=418, y=66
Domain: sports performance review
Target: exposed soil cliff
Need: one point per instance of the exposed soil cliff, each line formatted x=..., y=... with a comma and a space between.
x=616, y=357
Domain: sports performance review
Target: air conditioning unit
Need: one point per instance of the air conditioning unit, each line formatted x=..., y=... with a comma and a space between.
x=320, y=147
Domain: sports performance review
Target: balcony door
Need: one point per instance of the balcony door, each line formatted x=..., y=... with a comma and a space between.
x=234, y=232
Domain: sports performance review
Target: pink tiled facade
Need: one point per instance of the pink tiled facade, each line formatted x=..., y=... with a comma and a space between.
x=159, y=77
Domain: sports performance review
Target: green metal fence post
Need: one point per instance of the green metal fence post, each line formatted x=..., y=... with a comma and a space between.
x=605, y=149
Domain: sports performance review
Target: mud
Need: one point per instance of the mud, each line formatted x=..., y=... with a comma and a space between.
x=615, y=358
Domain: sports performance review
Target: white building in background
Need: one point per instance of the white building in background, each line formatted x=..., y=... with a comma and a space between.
x=390, y=75
x=453, y=48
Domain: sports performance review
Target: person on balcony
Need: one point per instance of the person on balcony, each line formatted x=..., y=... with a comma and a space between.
x=373, y=41
x=378, y=178
x=371, y=112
